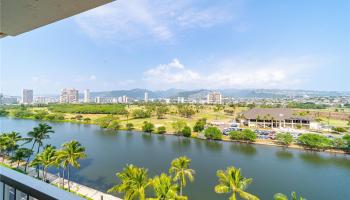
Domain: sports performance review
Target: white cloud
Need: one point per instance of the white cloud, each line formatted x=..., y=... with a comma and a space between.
x=92, y=78
x=231, y=73
x=159, y=19
x=171, y=73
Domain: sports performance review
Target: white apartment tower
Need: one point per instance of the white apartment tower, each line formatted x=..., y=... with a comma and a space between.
x=87, y=96
x=180, y=100
x=69, y=96
x=146, y=96
x=214, y=98
x=27, y=96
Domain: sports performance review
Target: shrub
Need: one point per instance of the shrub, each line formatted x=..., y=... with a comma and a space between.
x=199, y=126
x=104, y=122
x=141, y=114
x=79, y=117
x=339, y=129
x=88, y=108
x=178, y=126
x=339, y=143
x=213, y=133
x=3, y=112
x=347, y=140
x=87, y=120
x=314, y=141
x=148, y=127
x=161, y=130
x=284, y=138
x=186, y=131
x=246, y=134
x=114, y=125
x=129, y=126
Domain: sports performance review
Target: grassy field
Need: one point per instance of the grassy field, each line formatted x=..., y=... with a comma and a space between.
x=210, y=112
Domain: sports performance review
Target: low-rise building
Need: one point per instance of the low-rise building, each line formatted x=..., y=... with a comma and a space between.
x=276, y=118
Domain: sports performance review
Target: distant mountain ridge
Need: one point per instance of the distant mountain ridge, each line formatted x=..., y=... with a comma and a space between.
x=201, y=93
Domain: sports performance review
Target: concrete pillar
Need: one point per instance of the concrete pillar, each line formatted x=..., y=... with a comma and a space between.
x=292, y=123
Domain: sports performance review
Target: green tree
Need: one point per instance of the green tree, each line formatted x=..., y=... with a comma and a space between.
x=186, y=131
x=347, y=140
x=246, y=135
x=141, y=114
x=232, y=181
x=280, y=196
x=3, y=112
x=13, y=139
x=129, y=126
x=87, y=120
x=37, y=136
x=284, y=138
x=164, y=188
x=46, y=159
x=21, y=154
x=213, y=133
x=339, y=129
x=178, y=126
x=161, y=111
x=69, y=156
x=147, y=127
x=200, y=124
x=339, y=143
x=181, y=171
x=79, y=117
x=133, y=183
x=114, y=125
x=4, y=145
x=161, y=130
x=314, y=141
x=186, y=110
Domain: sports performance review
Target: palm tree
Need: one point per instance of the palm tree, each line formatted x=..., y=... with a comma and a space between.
x=46, y=159
x=134, y=181
x=181, y=171
x=70, y=154
x=13, y=139
x=164, y=189
x=4, y=145
x=232, y=181
x=38, y=135
x=20, y=154
x=280, y=196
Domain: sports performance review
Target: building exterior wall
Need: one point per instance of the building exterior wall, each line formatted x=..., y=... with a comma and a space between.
x=27, y=96
x=69, y=96
x=214, y=98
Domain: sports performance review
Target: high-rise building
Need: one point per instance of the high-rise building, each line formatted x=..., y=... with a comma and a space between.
x=146, y=96
x=27, y=96
x=214, y=98
x=180, y=100
x=125, y=99
x=87, y=96
x=69, y=96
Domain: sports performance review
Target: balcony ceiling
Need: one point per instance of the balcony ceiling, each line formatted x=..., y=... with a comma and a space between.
x=20, y=16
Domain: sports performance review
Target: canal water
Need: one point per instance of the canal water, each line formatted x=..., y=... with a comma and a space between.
x=316, y=175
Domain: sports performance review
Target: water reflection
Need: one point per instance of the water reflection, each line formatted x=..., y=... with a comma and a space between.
x=182, y=143
x=284, y=154
x=245, y=149
x=161, y=138
x=213, y=145
x=318, y=160
x=147, y=137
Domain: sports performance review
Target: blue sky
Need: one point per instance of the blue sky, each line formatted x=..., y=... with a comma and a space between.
x=188, y=44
